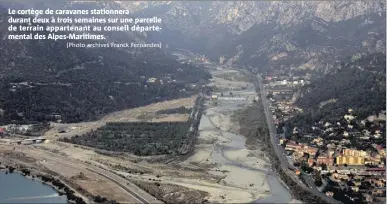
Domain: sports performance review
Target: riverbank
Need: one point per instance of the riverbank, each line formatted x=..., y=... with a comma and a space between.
x=223, y=168
x=221, y=149
x=16, y=188
x=56, y=184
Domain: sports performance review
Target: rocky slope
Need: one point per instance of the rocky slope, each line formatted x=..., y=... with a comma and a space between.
x=264, y=35
x=294, y=36
x=270, y=34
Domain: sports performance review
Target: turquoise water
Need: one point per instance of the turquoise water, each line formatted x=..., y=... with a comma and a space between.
x=15, y=188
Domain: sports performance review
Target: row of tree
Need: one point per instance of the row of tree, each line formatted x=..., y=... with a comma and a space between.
x=140, y=138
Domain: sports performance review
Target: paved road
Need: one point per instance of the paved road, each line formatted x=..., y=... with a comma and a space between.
x=280, y=152
x=123, y=183
x=309, y=181
x=138, y=197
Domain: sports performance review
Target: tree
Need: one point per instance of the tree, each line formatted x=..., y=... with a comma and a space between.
x=318, y=182
x=324, y=166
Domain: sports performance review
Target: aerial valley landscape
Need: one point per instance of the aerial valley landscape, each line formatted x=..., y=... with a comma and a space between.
x=246, y=102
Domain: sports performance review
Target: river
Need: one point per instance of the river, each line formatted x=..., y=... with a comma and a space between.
x=235, y=143
x=15, y=188
x=279, y=193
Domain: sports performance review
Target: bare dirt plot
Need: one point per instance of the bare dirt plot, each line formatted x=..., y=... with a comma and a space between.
x=229, y=80
x=171, y=193
x=171, y=118
x=153, y=108
x=135, y=114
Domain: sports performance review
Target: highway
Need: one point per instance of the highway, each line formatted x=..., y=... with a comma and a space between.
x=137, y=195
x=280, y=152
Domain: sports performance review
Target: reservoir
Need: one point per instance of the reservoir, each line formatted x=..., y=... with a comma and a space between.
x=15, y=188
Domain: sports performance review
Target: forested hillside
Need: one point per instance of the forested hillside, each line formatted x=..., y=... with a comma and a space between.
x=271, y=35
x=359, y=84
x=40, y=79
x=314, y=45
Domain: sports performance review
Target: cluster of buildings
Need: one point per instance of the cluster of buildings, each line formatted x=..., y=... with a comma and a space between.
x=316, y=157
x=289, y=83
x=348, y=153
x=357, y=165
x=16, y=128
x=282, y=93
x=27, y=130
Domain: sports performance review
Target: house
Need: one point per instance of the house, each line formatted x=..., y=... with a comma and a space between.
x=378, y=183
x=350, y=160
x=349, y=117
x=297, y=155
x=292, y=146
x=354, y=152
x=311, y=150
x=357, y=183
x=151, y=80
x=318, y=141
x=355, y=188
x=325, y=160
x=329, y=193
x=380, y=149
x=340, y=176
x=310, y=162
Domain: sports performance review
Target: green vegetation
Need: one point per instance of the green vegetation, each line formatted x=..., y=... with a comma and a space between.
x=253, y=125
x=145, y=138
x=41, y=79
x=140, y=138
x=360, y=85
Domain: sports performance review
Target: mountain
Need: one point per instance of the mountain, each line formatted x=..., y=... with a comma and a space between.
x=288, y=37
x=267, y=35
x=358, y=83
x=43, y=78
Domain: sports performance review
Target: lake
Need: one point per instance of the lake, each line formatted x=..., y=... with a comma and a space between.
x=15, y=188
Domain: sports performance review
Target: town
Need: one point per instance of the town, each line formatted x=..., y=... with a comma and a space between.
x=345, y=157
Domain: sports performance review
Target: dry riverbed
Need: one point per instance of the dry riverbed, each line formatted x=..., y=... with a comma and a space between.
x=221, y=169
